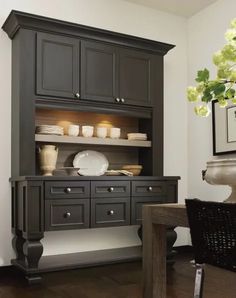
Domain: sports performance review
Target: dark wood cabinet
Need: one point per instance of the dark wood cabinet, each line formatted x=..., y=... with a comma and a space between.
x=57, y=66
x=110, y=212
x=136, y=81
x=148, y=188
x=67, y=189
x=101, y=189
x=137, y=204
x=98, y=72
x=67, y=214
x=117, y=75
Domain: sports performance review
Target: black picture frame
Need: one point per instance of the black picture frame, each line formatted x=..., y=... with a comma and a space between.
x=220, y=129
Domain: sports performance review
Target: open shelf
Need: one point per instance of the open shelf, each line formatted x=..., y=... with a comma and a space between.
x=91, y=141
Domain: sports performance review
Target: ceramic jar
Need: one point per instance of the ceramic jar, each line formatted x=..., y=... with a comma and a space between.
x=114, y=133
x=101, y=132
x=48, y=159
x=87, y=131
x=73, y=130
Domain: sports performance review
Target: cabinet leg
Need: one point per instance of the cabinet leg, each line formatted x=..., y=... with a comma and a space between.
x=171, y=237
x=140, y=233
x=17, y=244
x=33, y=250
x=33, y=279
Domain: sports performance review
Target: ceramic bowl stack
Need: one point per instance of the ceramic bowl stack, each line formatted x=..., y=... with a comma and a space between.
x=50, y=130
x=137, y=136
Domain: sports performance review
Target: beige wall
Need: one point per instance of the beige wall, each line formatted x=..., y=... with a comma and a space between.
x=120, y=16
x=205, y=36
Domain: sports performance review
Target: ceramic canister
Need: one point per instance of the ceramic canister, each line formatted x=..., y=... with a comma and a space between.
x=48, y=159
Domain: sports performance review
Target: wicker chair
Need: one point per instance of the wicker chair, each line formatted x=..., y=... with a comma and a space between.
x=213, y=232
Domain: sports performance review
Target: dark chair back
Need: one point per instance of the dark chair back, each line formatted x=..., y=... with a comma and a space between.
x=213, y=232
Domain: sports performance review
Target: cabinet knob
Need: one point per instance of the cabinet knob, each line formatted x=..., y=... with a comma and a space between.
x=122, y=100
x=149, y=188
x=117, y=99
x=68, y=190
x=111, y=189
x=110, y=212
x=77, y=95
x=67, y=214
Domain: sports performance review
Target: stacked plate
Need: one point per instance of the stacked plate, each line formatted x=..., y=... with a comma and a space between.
x=50, y=130
x=137, y=136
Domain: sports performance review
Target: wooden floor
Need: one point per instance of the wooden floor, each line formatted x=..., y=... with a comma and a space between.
x=117, y=281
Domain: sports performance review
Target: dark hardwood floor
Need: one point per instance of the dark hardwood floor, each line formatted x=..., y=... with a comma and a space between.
x=117, y=281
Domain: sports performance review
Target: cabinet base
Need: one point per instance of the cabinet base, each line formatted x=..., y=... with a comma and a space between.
x=80, y=260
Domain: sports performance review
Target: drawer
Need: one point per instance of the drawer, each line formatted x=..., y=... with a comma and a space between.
x=101, y=189
x=148, y=188
x=67, y=189
x=110, y=212
x=67, y=214
x=137, y=204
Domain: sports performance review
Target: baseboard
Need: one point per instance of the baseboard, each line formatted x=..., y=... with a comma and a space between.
x=4, y=269
x=183, y=249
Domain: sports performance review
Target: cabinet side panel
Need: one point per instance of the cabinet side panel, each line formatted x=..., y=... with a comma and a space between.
x=157, y=119
x=26, y=145
x=33, y=208
x=15, y=108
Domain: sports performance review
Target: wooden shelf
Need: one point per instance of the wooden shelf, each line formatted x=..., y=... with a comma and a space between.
x=91, y=141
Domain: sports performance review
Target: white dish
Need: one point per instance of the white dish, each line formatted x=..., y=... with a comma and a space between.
x=91, y=163
x=50, y=130
x=137, y=136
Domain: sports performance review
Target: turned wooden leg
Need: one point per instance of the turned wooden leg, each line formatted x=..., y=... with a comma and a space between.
x=171, y=237
x=17, y=244
x=33, y=250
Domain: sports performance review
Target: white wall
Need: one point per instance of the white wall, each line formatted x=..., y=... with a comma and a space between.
x=120, y=16
x=205, y=36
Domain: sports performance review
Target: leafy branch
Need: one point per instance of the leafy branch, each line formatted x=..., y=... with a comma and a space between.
x=222, y=88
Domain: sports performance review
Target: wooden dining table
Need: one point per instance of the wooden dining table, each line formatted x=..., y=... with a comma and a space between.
x=156, y=219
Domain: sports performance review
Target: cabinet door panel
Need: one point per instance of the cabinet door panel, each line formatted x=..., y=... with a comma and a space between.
x=98, y=72
x=66, y=214
x=136, y=77
x=108, y=212
x=102, y=189
x=57, y=66
x=137, y=204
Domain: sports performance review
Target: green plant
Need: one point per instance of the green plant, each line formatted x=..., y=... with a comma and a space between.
x=222, y=88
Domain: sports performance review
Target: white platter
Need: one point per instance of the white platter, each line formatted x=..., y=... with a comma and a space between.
x=91, y=163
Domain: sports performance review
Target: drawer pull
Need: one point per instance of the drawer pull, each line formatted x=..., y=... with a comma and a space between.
x=149, y=188
x=67, y=214
x=111, y=189
x=68, y=190
x=77, y=95
x=110, y=212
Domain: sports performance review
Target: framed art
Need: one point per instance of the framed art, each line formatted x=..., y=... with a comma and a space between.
x=224, y=128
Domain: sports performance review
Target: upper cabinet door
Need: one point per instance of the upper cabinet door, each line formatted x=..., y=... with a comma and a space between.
x=98, y=72
x=57, y=66
x=136, y=77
